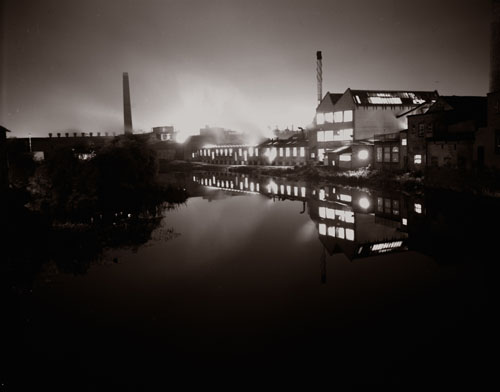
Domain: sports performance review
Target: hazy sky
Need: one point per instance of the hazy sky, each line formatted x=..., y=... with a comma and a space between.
x=246, y=65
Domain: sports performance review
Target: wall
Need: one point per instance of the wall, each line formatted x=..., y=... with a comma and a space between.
x=456, y=154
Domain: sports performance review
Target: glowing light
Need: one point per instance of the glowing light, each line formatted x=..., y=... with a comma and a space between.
x=347, y=198
x=322, y=212
x=331, y=231
x=404, y=221
x=296, y=191
x=321, y=194
x=322, y=229
x=303, y=191
x=363, y=154
x=418, y=208
x=386, y=246
x=282, y=189
x=302, y=152
x=270, y=154
x=257, y=187
x=403, y=142
x=417, y=159
x=349, y=234
x=364, y=203
x=345, y=157
x=289, y=190
x=272, y=187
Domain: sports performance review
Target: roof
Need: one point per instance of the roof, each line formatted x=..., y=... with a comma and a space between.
x=464, y=108
x=328, y=101
x=3, y=129
x=392, y=98
x=295, y=140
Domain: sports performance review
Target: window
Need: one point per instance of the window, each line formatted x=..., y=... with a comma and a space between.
x=287, y=151
x=404, y=142
x=302, y=152
x=349, y=234
x=417, y=159
x=395, y=154
x=331, y=231
x=421, y=128
x=338, y=117
x=380, y=204
x=321, y=136
x=418, y=208
x=250, y=151
x=329, y=117
x=294, y=151
x=343, y=135
x=387, y=154
x=328, y=136
x=320, y=118
x=321, y=154
x=256, y=152
x=345, y=157
x=281, y=151
x=379, y=154
x=347, y=115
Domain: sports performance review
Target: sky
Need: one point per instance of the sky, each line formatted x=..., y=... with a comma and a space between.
x=246, y=65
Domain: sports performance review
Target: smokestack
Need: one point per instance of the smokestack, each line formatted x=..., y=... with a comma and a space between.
x=495, y=47
x=319, y=75
x=127, y=109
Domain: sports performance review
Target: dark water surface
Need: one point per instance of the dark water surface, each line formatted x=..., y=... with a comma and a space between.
x=260, y=280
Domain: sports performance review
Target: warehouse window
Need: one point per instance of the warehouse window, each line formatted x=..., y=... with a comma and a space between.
x=338, y=117
x=347, y=115
x=321, y=136
x=395, y=154
x=417, y=159
x=379, y=154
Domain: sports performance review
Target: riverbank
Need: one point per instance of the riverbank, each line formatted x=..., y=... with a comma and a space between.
x=479, y=184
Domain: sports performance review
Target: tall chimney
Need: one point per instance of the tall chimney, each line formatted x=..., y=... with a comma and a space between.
x=319, y=75
x=495, y=47
x=127, y=109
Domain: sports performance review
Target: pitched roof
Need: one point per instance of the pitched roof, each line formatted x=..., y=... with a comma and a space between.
x=392, y=98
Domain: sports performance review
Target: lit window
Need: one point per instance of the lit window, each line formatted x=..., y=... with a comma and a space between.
x=345, y=157
x=252, y=186
x=328, y=136
x=302, y=152
x=282, y=189
x=404, y=221
x=321, y=136
x=418, y=208
x=257, y=187
x=321, y=154
x=281, y=151
x=329, y=117
x=225, y=152
x=404, y=142
x=330, y=213
x=379, y=154
x=250, y=151
x=287, y=151
x=230, y=151
x=347, y=115
x=385, y=100
x=321, y=194
x=417, y=159
x=340, y=232
x=331, y=231
x=303, y=191
x=320, y=118
x=358, y=100
x=296, y=191
x=338, y=117
x=349, y=216
x=349, y=234
x=239, y=152
x=256, y=152
x=322, y=229
x=363, y=154
x=347, y=198
x=313, y=155
x=395, y=154
x=294, y=151
x=289, y=190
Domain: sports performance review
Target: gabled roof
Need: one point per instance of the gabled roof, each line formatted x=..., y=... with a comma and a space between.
x=392, y=98
x=328, y=101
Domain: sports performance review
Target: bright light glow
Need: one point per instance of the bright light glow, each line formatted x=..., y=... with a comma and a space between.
x=287, y=151
x=418, y=208
x=347, y=115
x=404, y=221
x=321, y=194
x=270, y=154
x=385, y=100
x=331, y=231
x=417, y=159
x=347, y=198
x=386, y=246
x=272, y=187
x=303, y=191
x=340, y=232
x=282, y=189
x=294, y=151
x=252, y=186
x=364, y=203
x=403, y=142
x=302, y=152
x=345, y=157
x=363, y=154
x=281, y=151
x=289, y=190
x=257, y=187
x=296, y=191
x=321, y=154
x=349, y=234
x=322, y=229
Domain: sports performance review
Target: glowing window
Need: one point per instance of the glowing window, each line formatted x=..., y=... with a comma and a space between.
x=294, y=151
x=287, y=151
x=395, y=154
x=250, y=151
x=345, y=157
x=417, y=159
x=246, y=182
x=257, y=187
x=281, y=151
x=349, y=217
x=302, y=152
x=303, y=191
x=321, y=154
x=347, y=115
x=213, y=155
x=404, y=221
x=331, y=231
x=321, y=136
x=296, y=191
x=340, y=232
x=349, y=234
x=322, y=229
x=329, y=117
x=282, y=189
x=321, y=194
x=313, y=155
x=347, y=198
x=404, y=142
x=358, y=100
x=328, y=136
x=230, y=151
x=338, y=117
x=239, y=152
x=256, y=152
x=320, y=118
x=252, y=186
x=418, y=208
x=289, y=190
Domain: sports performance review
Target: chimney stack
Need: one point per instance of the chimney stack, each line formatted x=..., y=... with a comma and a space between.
x=319, y=75
x=495, y=47
x=127, y=109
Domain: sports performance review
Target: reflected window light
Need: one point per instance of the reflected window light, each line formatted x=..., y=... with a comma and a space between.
x=322, y=229
x=281, y=151
x=349, y=234
x=289, y=190
x=282, y=189
x=404, y=221
x=331, y=231
x=303, y=191
x=340, y=232
x=418, y=208
x=347, y=198
x=302, y=152
x=296, y=191
x=257, y=187
x=287, y=151
x=252, y=186
x=364, y=203
x=322, y=212
x=294, y=151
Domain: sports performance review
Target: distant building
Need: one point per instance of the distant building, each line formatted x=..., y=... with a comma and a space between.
x=293, y=151
x=165, y=134
x=357, y=115
x=390, y=151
